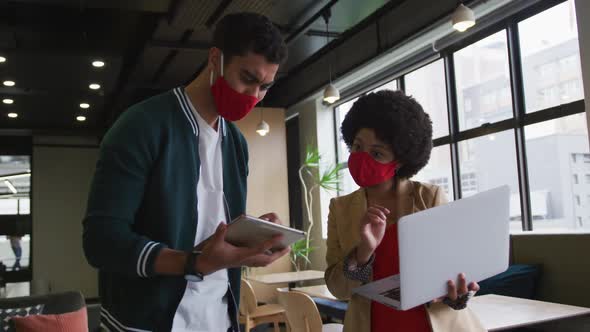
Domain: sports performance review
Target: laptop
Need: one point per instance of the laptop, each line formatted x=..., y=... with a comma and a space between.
x=470, y=235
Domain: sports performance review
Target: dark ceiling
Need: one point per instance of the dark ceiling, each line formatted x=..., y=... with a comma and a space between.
x=148, y=46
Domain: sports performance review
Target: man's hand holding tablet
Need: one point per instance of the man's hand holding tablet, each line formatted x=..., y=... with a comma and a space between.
x=248, y=231
x=246, y=241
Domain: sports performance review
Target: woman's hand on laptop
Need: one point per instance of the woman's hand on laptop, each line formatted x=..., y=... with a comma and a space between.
x=372, y=228
x=458, y=294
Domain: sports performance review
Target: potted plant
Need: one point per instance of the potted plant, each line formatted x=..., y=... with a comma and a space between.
x=312, y=178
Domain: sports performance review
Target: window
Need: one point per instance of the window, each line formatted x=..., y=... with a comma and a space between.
x=487, y=162
x=545, y=69
x=441, y=182
x=15, y=188
x=469, y=184
x=341, y=111
x=550, y=58
x=427, y=86
x=482, y=76
x=557, y=164
x=347, y=184
x=558, y=138
x=467, y=106
x=387, y=86
x=438, y=170
x=15, y=182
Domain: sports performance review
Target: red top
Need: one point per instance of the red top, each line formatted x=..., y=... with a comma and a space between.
x=383, y=318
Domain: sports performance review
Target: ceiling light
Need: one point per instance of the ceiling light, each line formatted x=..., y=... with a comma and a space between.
x=9, y=83
x=8, y=101
x=263, y=128
x=463, y=18
x=331, y=94
x=84, y=105
x=13, y=115
x=10, y=186
x=98, y=63
x=2, y=59
x=81, y=118
x=94, y=86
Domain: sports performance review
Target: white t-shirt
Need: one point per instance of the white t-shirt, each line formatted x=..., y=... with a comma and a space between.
x=203, y=307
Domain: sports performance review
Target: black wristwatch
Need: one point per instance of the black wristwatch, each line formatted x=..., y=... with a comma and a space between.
x=190, y=271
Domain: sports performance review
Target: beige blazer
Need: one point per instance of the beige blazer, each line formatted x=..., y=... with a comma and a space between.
x=343, y=236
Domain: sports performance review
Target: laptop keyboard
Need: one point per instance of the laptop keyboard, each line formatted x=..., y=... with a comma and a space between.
x=392, y=294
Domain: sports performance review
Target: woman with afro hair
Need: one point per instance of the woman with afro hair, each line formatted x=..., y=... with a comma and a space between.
x=390, y=139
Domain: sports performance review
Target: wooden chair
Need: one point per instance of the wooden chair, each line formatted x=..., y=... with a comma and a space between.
x=303, y=314
x=252, y=315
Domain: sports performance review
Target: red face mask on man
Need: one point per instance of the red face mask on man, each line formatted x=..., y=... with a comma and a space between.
x=231, y=105
x=367, y=172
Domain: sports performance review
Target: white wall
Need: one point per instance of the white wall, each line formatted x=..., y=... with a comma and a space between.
x=61, y=179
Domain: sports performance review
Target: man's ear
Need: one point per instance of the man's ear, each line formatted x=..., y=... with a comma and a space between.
x=213, y=59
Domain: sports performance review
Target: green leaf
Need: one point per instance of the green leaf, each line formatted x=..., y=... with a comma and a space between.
x=312, y=157
x=329, y=180
x=299, y=249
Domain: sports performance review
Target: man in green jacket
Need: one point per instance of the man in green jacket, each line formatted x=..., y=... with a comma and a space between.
x=171, y=174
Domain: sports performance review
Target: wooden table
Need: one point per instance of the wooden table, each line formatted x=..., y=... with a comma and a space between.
x=498, y=312
x=288, y=277
x=320, y=291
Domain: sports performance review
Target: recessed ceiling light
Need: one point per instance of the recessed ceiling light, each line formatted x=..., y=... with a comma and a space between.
x=94, y=86
x=8, y=101
x=81, y=118
x=98, y=63
x=2, y=59
x=13, y=115
x=9, y=83
x=84, y=105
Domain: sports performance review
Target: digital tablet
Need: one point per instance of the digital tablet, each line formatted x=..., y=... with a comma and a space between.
x=248, y=231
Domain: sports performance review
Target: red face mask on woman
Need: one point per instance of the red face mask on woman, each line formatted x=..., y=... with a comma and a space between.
x=367, y=172
x=231, y=105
